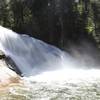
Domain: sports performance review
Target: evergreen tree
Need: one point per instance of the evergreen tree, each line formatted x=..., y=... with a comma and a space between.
x=58, y=22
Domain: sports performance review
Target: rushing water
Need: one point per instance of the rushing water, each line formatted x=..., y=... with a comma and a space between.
x=49, y=73
x=57, y=86
x=30, y=55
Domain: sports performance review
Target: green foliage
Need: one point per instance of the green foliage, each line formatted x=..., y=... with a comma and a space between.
x=80, y=8
x=90, y=26
x=54, y=21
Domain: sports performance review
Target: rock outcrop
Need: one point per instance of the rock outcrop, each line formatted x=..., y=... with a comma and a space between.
x=7, y=76
x=10, y=63
x=2, y=55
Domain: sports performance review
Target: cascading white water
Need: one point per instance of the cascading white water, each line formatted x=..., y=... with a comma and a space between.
x=33, y=56
x=30, y=55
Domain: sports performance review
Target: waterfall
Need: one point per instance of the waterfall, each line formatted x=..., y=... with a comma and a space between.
x=32, y=56
x=29, y=54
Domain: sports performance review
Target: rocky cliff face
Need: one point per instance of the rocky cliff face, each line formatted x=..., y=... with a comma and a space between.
x=7, y=76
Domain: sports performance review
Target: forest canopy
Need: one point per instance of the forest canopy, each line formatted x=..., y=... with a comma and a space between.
x=57, y=22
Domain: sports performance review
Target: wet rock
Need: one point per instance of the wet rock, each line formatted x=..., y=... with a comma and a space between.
x=10, y=63
x=8, y=71
x=7, y=76
x=2, y=55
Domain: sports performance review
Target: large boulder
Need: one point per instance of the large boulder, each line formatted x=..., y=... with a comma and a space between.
x=10, y=63
x=7, y=76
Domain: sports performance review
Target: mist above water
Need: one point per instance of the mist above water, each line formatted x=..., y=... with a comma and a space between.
x=44, y=61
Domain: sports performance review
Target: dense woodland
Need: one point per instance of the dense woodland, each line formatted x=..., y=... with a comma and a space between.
x=58, y=22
